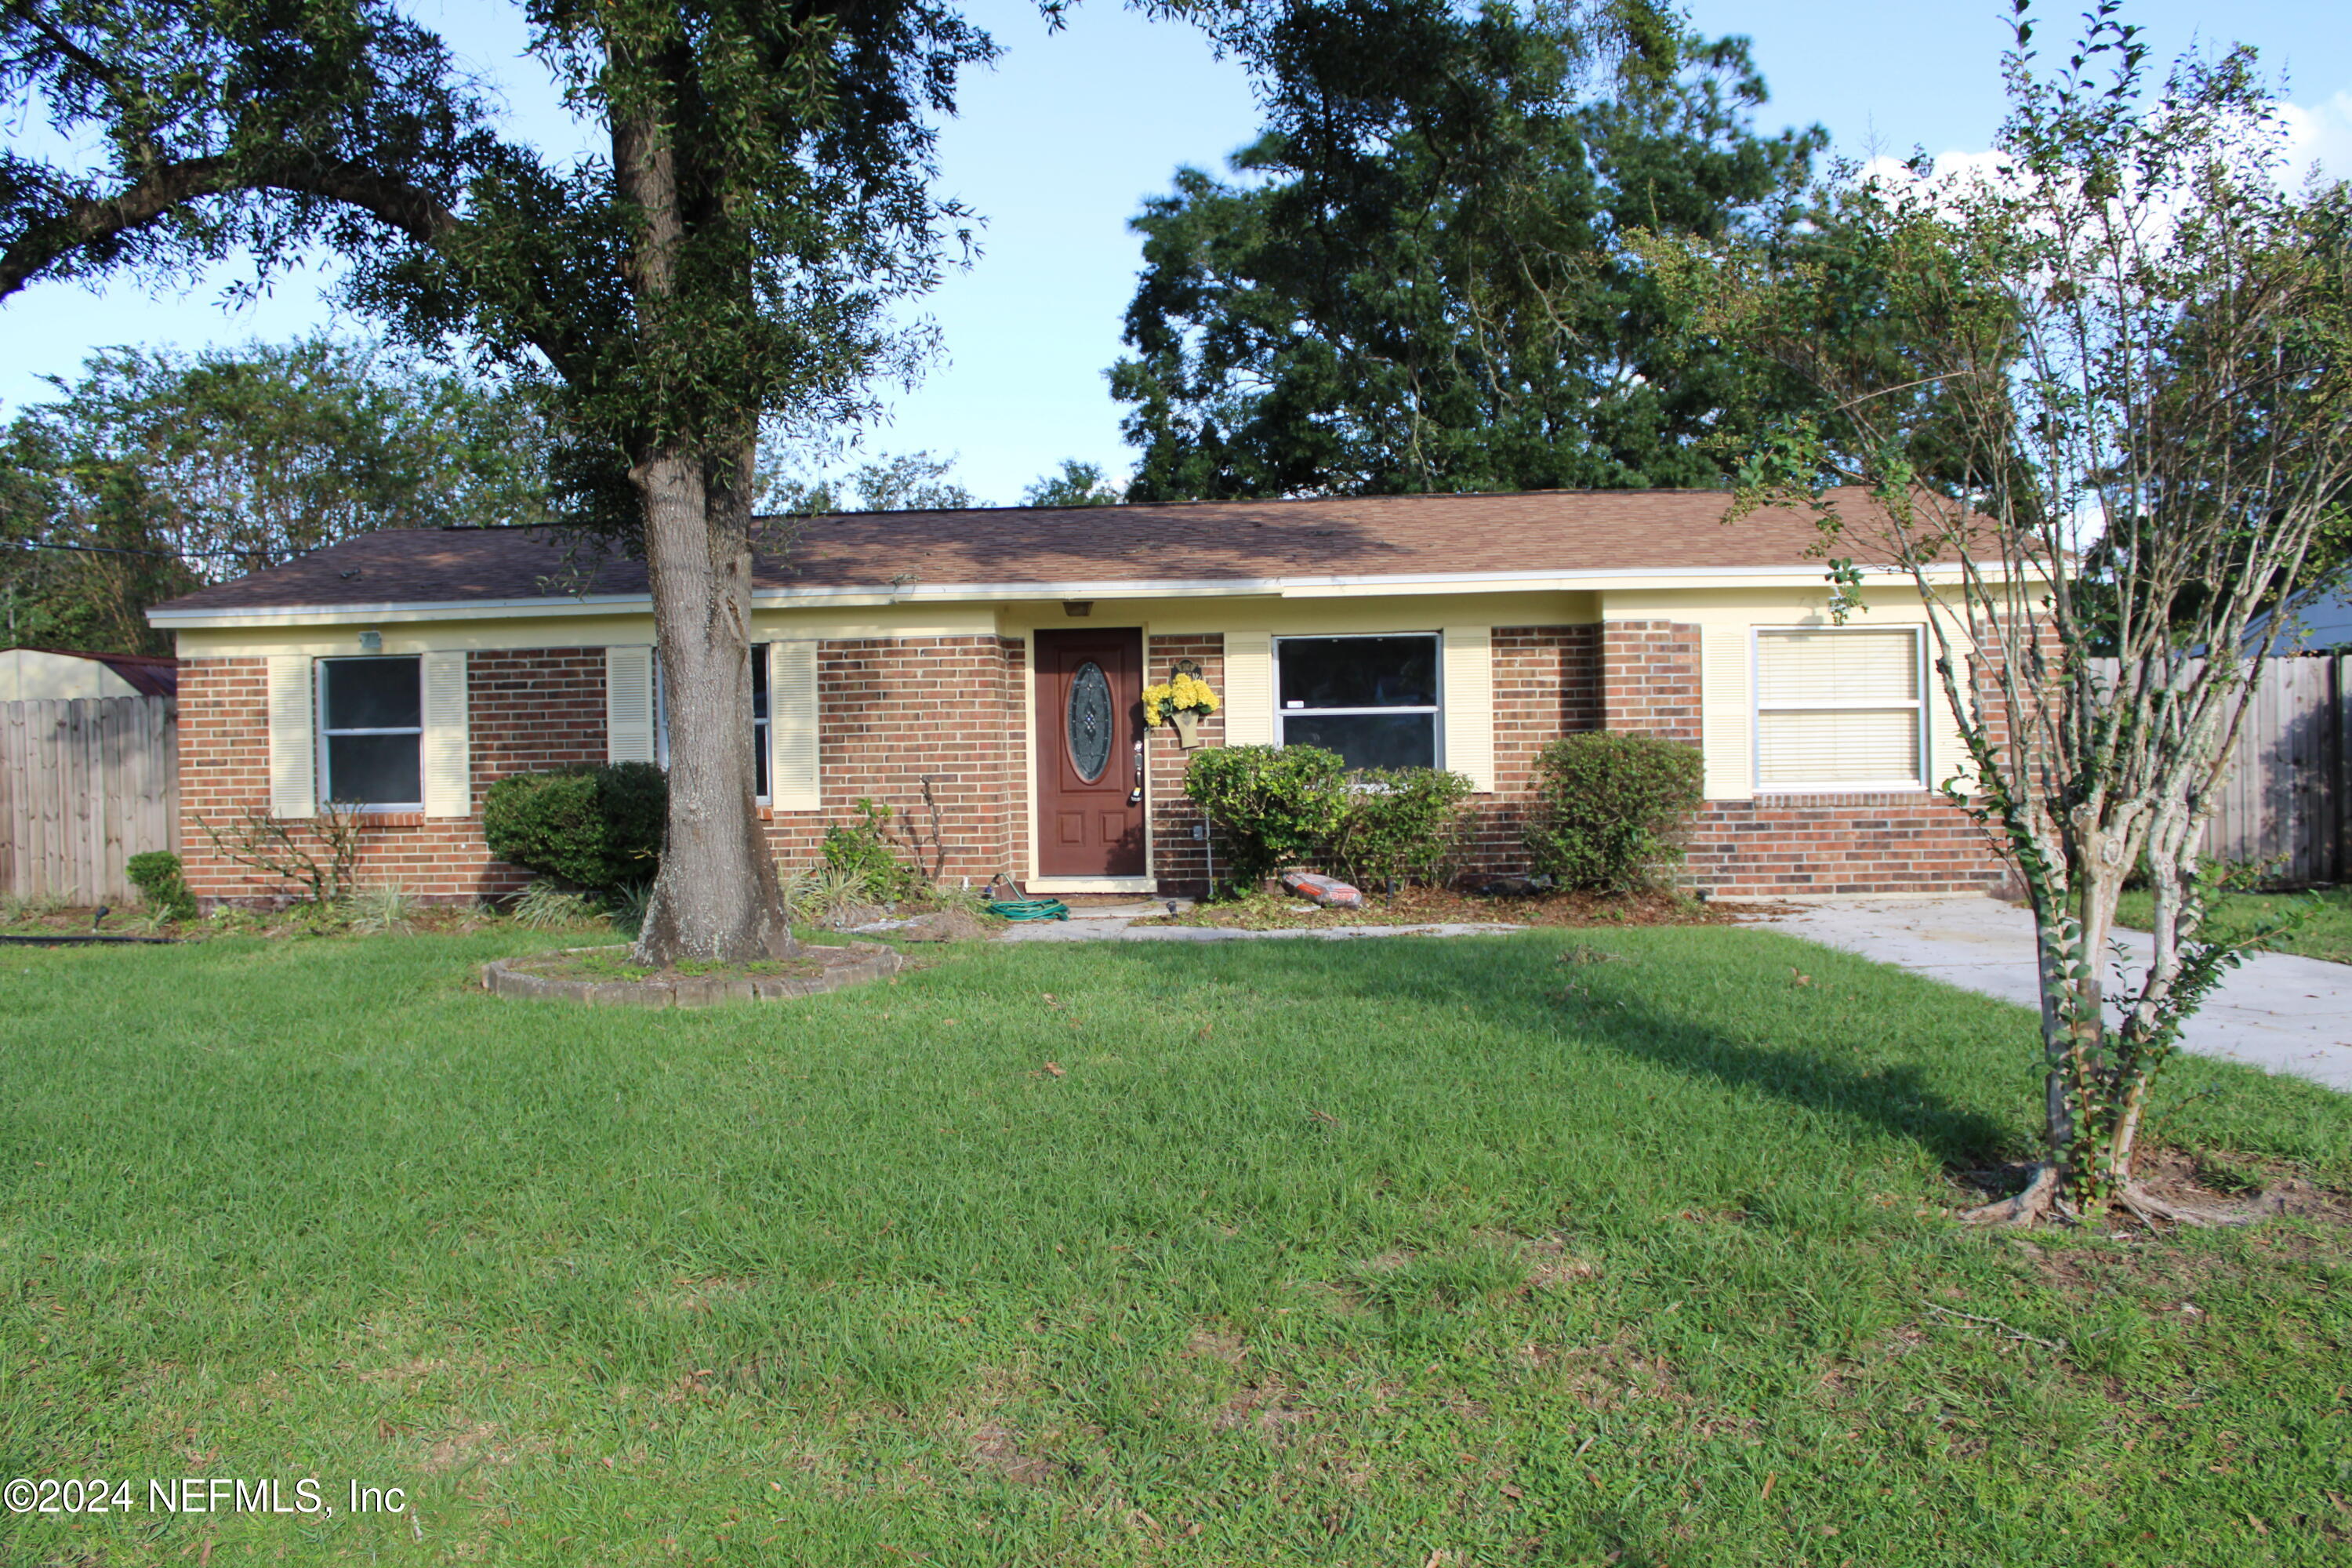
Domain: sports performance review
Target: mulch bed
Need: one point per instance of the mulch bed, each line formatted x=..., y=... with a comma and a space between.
x=1431, y=906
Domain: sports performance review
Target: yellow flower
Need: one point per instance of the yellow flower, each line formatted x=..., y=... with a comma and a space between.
x=1182, y=693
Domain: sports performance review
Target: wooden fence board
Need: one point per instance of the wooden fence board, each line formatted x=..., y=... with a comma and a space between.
x=84, y=785
x=2286, y=801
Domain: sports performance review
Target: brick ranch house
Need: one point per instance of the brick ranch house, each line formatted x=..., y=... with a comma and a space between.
x=995, y=657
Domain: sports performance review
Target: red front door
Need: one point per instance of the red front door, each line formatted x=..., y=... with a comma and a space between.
x=1090, y=753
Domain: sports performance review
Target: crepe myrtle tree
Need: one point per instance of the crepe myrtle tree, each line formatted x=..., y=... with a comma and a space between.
x=2119, y=423
x=760, y=197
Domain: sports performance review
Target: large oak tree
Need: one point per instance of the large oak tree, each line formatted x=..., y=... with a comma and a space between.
x=761, y=197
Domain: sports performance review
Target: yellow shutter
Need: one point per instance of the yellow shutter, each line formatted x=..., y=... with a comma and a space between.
x=449, y=791
x=793, y=760
x=1249, y=689
x=629, y=704
x=1469, y=705
x=293, y=742
x=1726, y=742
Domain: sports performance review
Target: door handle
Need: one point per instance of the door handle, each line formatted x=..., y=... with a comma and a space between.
x=1135, y=796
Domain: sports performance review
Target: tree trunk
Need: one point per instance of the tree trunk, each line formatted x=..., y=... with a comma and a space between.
x=716, y=896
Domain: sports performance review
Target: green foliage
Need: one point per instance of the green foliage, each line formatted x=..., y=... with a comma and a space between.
x=595, y=827
x=383, y=908
x=1612, y=809
x=1419, y=281
x=790, y=483
x=1272, y=807
x=157, y=472
x=156, y=873
x=1078, y=484
x=1400, y=824
x=544, y=905
x=862, y=847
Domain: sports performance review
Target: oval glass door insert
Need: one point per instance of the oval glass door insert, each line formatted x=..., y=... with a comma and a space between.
x=1090, y=721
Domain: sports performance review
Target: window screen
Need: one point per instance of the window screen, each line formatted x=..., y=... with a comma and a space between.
x=1373, y=699
x=372, y=731
x=1839, y=709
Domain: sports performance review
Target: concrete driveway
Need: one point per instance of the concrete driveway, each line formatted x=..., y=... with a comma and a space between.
x=2276, y=1011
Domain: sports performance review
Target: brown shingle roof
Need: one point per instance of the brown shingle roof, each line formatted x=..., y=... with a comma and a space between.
x=1375, y=536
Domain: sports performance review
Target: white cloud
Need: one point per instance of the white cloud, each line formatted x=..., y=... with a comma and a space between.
x=2321, y=134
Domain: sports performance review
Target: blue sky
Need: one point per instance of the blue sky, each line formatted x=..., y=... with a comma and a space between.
x=1060, y=143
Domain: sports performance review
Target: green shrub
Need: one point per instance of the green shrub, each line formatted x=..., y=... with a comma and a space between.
x=156, y=874
x=862, y=848
x=1611, y=810
x=595, y=827
x=1273, y=806
x=1399, y=825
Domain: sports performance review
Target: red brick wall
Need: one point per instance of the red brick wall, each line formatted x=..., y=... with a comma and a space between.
x=893, y=711
x=1650, y=679
x=528, y=709
x=1820, y=844
x=957, y=710
x=1180, y=860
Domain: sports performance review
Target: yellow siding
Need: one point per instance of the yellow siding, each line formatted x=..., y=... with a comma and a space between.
x=1249, y=689
x=449, y=789
x=1724, y=709
x=293, y=753
x=629, y=704
x=793, y=727
x=1468, y=704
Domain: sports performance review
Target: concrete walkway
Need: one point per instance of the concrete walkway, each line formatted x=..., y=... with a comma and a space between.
x=1117, y=925
x=2276, y=1011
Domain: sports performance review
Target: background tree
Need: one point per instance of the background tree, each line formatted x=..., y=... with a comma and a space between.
x=761, y=199
x=1077, y=484
x=156, y=472
x=2126, y=338
x=1417, y=279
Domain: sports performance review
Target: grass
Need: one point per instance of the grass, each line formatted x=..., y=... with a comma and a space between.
x=1375, y=1252
x=2323, y=929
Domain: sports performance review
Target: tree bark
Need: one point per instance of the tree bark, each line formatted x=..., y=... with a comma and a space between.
x=716, y=896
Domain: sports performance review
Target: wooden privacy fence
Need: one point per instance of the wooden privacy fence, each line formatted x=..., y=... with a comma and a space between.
x=84, y=785
x=2285, y=802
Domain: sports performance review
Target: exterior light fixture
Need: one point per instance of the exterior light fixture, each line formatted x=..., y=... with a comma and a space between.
x=371, y=641
x=1078, y=606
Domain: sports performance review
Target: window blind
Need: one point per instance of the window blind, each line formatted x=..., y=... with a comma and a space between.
x=1838, y=710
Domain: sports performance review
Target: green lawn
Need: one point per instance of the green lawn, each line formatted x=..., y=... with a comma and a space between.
x=1378, y=1252
x=2324, y=931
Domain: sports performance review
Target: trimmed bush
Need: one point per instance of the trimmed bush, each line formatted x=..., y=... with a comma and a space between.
x=1400, y=824
x=156, y=874
x=1274, y=806
x=597, y=828
x=1613, y=811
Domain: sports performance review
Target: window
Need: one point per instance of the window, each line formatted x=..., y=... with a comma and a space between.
x=1840, y=709
x=759, y=756
x=1373, y=699
x=372, y=733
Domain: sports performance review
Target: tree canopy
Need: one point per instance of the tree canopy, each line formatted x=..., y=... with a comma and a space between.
x=155, y=472
x=1417, y=279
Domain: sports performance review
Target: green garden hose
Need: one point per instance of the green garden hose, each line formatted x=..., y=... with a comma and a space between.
x=1030, y=910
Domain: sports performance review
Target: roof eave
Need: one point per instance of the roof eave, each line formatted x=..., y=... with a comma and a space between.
x=1313, y=586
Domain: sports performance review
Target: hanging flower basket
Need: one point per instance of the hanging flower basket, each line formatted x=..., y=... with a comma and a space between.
x=1179, y=701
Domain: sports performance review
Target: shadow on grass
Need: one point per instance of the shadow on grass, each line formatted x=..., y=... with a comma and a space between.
x=1521, y=983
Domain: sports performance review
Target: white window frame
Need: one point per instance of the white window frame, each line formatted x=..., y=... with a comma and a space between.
x=326, y=791
x=760, y=730
x=1758, y=707
x=1435, y=711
